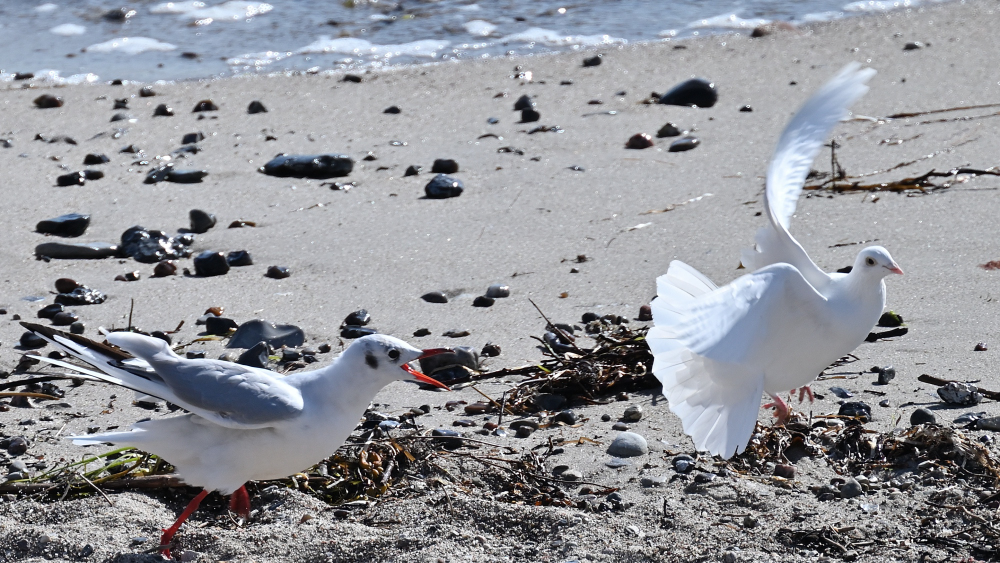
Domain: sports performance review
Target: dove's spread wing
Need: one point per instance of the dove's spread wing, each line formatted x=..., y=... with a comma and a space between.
x=798, y=146
x=712, y=350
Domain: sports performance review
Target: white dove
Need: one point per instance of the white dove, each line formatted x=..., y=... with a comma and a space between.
x=244, y=423
x=717, y=349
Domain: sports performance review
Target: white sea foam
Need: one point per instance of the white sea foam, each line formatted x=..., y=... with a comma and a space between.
x=554, y=38
x=361, y=47
x=46, y=8
x=130, y=46
x=879, y=5
x=232, y=11
x=479, y=28
x=49, y=76
x=68, y=29
x=822, y=17
x=259, y=60
x=728, y=21
x=176, y=7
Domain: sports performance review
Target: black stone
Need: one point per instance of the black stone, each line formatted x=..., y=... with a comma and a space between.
x=205, y=105
x=857, y=409
x=442, y=187
x=275, y=335
x=239, y=258
x=458, y=356
x=120, y=117
x=192, y=138
x=210, y=263
x=82, y=295
x=529, y=116
x=73, y=179
x=146, y=92
x=64, y=318
x=320, y=166
x=695, y=92
x=566, y=417
x=592, y=61
x=92, y=159
x=746, y=109
x=76, y=250
x=151, y=246
x=17, y=446
x=435, y=297
x=162, y=336
x=219, y=326
x=392, y=110
x=412, y=170
x=354, y=331
x=590, y=317
x=201, y=221
x=163, y=110
x=359, y=318
x=256, y=107
x=47, y=101
x=278, y=272
x=69, y=225
x=168, y=173
x=256, y=356
x=420, y=332
x=92, y=174
x=351, y=78
x=922, y=416
x=523, y=103
x=490, y=350
x=483, y=301
x=49, y=311
x=444, y=166
x=31, y=341
x=449, y=439
x=684, y=144
x=668, y=130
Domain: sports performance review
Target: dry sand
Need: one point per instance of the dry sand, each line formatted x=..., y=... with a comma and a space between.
x=522, y=220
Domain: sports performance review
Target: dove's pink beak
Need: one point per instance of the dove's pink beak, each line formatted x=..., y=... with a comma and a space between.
x=423, y=378
x=896, y=269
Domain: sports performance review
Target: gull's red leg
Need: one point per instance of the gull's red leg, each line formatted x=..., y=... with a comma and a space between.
x=781, y=410
x=806, y=391
x=168, y=534
x=239, y=502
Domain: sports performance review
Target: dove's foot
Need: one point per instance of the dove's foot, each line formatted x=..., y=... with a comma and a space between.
x=239, y=502
x=781, y=410
x=806, y=392
x=168, y=534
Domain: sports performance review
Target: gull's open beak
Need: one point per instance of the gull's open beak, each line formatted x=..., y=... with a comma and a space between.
x=423, y=378
x=895, y=269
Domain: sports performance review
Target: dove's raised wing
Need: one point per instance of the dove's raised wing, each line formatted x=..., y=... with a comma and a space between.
x=798, y=146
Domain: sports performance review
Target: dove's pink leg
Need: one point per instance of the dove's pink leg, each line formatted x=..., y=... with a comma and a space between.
x=804, y=391
x=168, y=534
x=239, y=502
x=781, y=410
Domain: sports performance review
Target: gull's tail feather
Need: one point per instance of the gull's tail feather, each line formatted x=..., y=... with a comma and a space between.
x=770, y=248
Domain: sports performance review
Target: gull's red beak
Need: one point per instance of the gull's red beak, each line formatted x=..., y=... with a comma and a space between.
x=423, y=378
x=896, y=269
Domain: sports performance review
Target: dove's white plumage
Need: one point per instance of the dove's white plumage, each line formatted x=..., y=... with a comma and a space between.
x=716, y=349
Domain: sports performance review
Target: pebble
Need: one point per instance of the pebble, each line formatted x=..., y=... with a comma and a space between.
x=497, y=291
x=277, y=336
x=483, y=301
x=201, y=221
x=750, y=521
x=668, y=130
x=239, y=258
x=890, y=319
x=851, y=488
x=120, y=103
x=653, y=481
x=571, y=475
x=31, y=341
x=883, y=403
x=449, y=439
x=922, y=416
x=146, y=92
x=164, y=268
x=682, y=463
x=168, y=173
x=81, y=295
x=694, y=92
x=979, y=347
x=991, y=423
x=523, y=103
x=221, y=326
x=210, y=263
x=606, y=417
x=444, y=166
x=358, y=318
x=49, y=311
x=841, y=393
x=68, y=225
x=72, y=179
x=550, y=402
x=960, y=394
x=205, y=105
x=77, y=328
x=442, y=187
x=64, y=318
x=319, y=166
x=46, y=101
x=392, y=110
x=18, y=445
x=256, y=356
x=163, y=110
x=565, y=417
x=620, y=426
x=704, y=477
x=746, y=109
x=628, y=444
x=192, y=138
x=195, y=354
x=913, y=45
x=351, y=78
x=784, y=471
x=421, y=332
x=639, y=141
x=858, y=409
x=886, y=374
x=529, y=116
x=633, y=413
x=256, y=107
x=617, y=462
x=456, y=333
x=278, y=272
x=121, y=117
x=683, y=144
x=412, y=170
x=592, y=61
x=92, y=159
x=490, y=350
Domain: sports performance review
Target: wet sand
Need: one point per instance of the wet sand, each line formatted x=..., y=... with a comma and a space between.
x=523, y=220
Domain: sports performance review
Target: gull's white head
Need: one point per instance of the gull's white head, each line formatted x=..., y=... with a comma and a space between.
x=876, y=262
x=387, y=359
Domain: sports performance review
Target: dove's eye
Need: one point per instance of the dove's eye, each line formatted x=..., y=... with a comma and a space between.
x=870, y=261
x=393, y=354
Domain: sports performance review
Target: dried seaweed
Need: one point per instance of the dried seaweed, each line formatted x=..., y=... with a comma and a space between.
x=921, y=184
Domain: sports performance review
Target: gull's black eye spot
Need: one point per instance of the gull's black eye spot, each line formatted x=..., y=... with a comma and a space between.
x=371, y=360
x=870, y=261
x=393, y=354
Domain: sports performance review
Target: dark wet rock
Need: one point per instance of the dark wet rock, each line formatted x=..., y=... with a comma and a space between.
x=980, y=347
x=92, y=159
x=442, y=187
x=628, y=444
x=290, y=355
x=421, y=332
x=746, y=109
x=589, y=317
x=498, y=290
x=17, y=445
x=645, y=313
x=69, y=225
x=192, y=138
x=120, y=117
x=252, y=332
x=620, y=426
x=456, y=333
x=31, y=341
x=483, y=301
x=118, y=15
x=370, y=157
x=444, y=166
x=77, y=328
x=210, y=263
x=278, y=272
x=131, y=149
x=548, y=402
x=256, y=107
x=49, y=311
x=490, y=350
x=72, y=179
x=128, y=276
x=851, y=488
x=320, y=166
x=46, y=101
x=151, y=246
x=64, y=318
x=886, y=374
x=890, y=319
x=66, y=285
x=219, y=325
x=162, y=336
x=56, y=139
x=565, y=417
x=121, y=103
x=592, y=61
x=392, y=110
x=164, y=268
x=167, y=173
x=359, y=318
x=463, y=356
x=435, y=297
x=412, y=170
x=205, y=105
x=639, y=141
x=239, y=224
x=530, y=115
x=239, y=258
x=668, y=130
x=92, y=174
x=913, y=45
x=858, y=409
x=922, y=416
x=449, y=439
x=354, y=331
x=81, y=295
x=351, y=78
x=523, y=103
x=695, y=92
x=684, y=144
x=76, y=250
x=492, y=121
x=163, y=110
x=201, y=221
x=256, y=356
x=784, y=471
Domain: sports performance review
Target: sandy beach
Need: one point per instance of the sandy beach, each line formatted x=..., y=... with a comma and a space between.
x=525, y=219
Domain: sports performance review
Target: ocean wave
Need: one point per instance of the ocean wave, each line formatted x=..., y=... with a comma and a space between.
x=361, y=47
x=130, y=46
x=728, y=21
x=68, y=29
x=554, y=38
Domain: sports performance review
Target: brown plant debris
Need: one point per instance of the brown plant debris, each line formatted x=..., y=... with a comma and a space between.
x=922, y=184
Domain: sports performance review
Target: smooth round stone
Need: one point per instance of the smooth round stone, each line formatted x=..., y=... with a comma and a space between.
x=645, y=313
x=252, y=332
x=201, y=221
x=163, y=110
x=922, y=416
x=592, y=61
x=784, y=471
x=256, y=357
x=17, y=446
x=64, y=318
x=164, y=268
x=392, y=110
x=653, y=481
x=443, y=187
x=746, y=109
x=571, y=475
x=523, y=103
x=318, y=166
x=498, y=290
x=49, y=311
x=620, y=426
x=412, y=170
x=210, y=263
x=290, y=355
x=205, y=105
x=238, y=258
x=694, y=92
x=851, y=488
x=490, y=350
x=458, y=356
x=358, y=318
x=449, y=439
x=256, y=107
x=120, y=117
x=77, y=328
x=435, y=297
x=633, y=413
x=353, y=331
x=886, y=374
x=858, y=409
x=683, y=144
x=32, y=341
x=69, y=225
x=565, y=417
x=483, y=301
x=421, y=332
x=220, y=326
x=47, y=101
x=639, y=141
x=92, y=159
x=444, y=166
x=146, y=92
x=278, y=272
x=606, y=417
x=72, y=179
x=529, y=116
x=628, y=444
x=589, y=317
x=704, y=477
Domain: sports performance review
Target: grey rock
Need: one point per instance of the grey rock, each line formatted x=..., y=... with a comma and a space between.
x=633, y=413
x=252, y=332
x=620, y=426
x=628, y=444
x=69, y=225
x=956, y=393
x=684, y=144
x=320, y=166
x=851, y=488
x=922, y=416
x=991, y=423
x=443, y=187
x=497, y=291
x=653, y=481
x=201, y=221
x=571, y=475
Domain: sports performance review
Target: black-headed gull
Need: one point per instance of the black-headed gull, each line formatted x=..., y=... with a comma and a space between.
x=717, y=349
x=244, y=423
